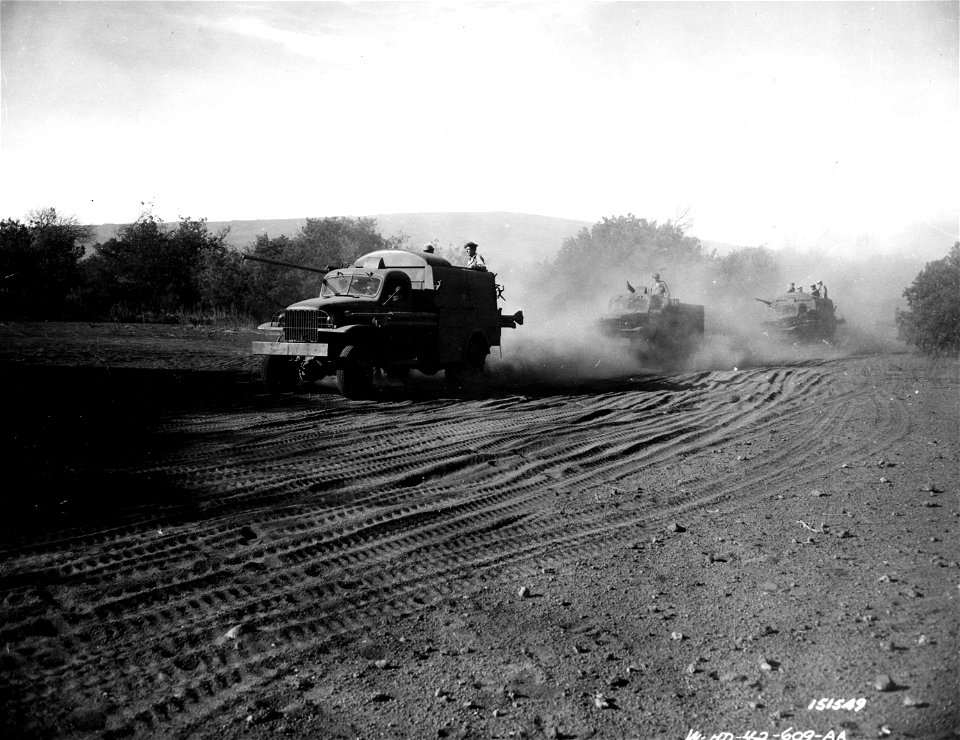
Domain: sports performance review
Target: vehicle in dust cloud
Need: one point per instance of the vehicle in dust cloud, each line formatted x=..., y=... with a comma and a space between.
x=391, y=311
x=802, y=316
x=657, y=327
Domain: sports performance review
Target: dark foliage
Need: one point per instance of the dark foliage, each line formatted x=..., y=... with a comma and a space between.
x=39, y=264
x=149, y=270
x=226, y=285
x=932, y=323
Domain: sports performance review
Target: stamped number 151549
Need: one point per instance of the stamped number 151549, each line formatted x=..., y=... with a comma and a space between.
x=837, y=704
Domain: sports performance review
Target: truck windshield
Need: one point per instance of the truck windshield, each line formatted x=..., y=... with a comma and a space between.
x=793, y=309
x=361, y=286
x=635, y=302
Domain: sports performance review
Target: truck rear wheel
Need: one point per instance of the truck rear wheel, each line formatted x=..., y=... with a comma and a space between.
x=279, y=373
x=471, y=368
x=476, y=355
x=355, y=374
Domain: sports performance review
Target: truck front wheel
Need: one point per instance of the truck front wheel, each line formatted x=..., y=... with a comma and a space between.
x=355, y=374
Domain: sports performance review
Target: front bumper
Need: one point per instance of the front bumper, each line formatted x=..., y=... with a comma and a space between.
x=292, y=349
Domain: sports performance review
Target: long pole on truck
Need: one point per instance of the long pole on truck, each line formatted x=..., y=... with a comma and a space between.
x=323, y=271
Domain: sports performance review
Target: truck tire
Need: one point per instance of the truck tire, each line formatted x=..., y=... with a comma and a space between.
x=476, y=355
x=355, y=374
x=471, y=368
x=279, y=373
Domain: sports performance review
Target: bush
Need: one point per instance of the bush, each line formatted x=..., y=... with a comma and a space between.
x=150, y=266
x=621, y=246
x=933, y=322
x=748, y=271
x=39, y=264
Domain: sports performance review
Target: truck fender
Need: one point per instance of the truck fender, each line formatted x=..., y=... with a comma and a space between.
x=358, y=334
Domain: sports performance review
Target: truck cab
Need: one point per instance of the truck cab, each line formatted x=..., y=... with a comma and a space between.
x=393, y=310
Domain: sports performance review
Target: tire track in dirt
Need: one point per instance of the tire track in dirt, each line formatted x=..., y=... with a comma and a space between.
x=788, y=453
x=319, y=479
x=332, y=548
x=408, y=460
x=138, y=555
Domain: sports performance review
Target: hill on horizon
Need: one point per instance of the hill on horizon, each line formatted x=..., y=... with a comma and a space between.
x=510, y=237
x=521, y=239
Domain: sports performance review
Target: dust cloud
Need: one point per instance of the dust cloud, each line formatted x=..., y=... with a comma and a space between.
x=560, y=341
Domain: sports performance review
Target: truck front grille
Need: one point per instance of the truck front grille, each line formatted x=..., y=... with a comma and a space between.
x=300, y=325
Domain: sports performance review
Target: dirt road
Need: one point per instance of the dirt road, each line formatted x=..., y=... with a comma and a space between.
x=646, y=556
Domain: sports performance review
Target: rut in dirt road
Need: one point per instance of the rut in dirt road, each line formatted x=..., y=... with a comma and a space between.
x=306, y=517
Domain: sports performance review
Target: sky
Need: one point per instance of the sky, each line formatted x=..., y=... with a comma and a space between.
x=771, y=123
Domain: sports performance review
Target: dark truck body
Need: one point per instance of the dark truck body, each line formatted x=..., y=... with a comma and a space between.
x=801, y=316
x=656, y=327
x=393, y=310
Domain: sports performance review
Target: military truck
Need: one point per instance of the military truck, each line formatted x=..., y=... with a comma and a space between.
x=391, y=311
x=657, y=327
x=804, y=317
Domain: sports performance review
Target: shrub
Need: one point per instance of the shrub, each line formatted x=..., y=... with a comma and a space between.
x=39, y=264
x=932, y=323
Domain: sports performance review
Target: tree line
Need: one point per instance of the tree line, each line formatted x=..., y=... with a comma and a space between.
x=153, y=271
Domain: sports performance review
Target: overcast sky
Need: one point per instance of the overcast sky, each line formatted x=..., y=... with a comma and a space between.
x=767, y=123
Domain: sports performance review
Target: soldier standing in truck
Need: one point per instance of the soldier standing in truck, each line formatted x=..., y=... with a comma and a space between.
x=659, y=287
x=474, y=260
